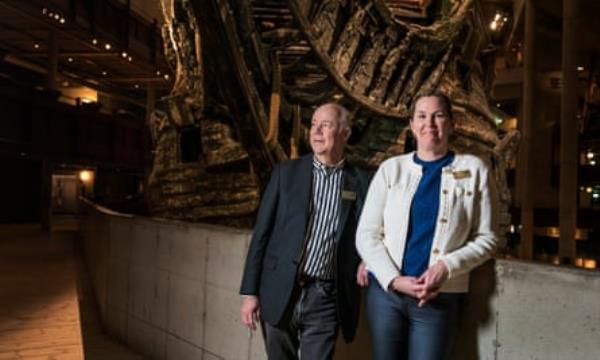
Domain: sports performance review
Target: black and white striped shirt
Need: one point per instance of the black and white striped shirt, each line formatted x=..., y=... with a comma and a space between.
x=323, y=219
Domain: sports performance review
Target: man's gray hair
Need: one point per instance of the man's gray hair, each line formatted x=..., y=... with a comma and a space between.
x=342, y=114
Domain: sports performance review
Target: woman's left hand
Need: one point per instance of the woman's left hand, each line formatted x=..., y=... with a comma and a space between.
x=431, y=281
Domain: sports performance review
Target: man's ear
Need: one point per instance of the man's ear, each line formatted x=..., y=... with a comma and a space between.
x=347, y=132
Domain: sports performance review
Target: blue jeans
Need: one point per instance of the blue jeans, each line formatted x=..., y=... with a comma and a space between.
x=309, y=330
x=402, y=330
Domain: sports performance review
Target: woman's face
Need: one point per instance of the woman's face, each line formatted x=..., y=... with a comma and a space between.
x=431, y=124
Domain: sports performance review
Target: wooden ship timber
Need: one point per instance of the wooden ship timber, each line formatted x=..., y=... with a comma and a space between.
x=250, y=72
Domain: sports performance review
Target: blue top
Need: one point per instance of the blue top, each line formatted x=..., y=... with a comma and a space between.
x=423, y=215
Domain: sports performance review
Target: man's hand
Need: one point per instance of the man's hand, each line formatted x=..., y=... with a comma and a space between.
x=362, y=275
x=250, y=311
x=431, y=281
x=406, y=284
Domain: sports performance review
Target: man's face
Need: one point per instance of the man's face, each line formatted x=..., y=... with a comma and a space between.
x=327, y=136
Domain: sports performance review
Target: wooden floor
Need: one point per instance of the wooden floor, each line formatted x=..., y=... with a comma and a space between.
x=45, y=298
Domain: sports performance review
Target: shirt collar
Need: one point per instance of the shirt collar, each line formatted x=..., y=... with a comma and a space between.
x=328, y=169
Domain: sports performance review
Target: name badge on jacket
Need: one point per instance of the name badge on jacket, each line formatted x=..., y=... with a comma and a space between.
x=462, y=174
x=348, y=195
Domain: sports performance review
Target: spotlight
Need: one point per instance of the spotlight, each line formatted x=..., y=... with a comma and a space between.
x=590, y=154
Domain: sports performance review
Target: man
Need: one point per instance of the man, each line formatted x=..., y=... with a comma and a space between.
x=300, y=274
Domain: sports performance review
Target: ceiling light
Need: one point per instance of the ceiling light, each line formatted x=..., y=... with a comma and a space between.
x=129, y=58
x=104, y=72
x=62, y=20
x=107, y=46
x=56, y=16
x=95, y=41
x=124, y=54
x=166, y=76
x=70, y=59
x=44, y=11
x=136, y=86
x=36, y=45
x=157, y=72
x=51, y=14
x=580, y=68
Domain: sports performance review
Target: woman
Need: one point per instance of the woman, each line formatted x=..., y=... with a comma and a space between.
x=429, y=218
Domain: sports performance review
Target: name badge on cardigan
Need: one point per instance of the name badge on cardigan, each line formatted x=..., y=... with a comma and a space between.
x=462, y=174
x=348, y=195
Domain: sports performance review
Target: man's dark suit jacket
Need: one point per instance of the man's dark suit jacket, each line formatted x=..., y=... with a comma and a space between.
x=276, y=248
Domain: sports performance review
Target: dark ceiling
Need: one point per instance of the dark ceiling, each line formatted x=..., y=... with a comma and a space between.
x=102, y=45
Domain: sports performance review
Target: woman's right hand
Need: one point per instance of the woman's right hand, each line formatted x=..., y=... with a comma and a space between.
x=406, y=284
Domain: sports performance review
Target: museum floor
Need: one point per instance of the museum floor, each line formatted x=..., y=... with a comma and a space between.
x=46, y=306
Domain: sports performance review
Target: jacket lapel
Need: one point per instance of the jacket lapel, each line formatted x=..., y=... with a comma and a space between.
x=303, y=181
x=349, y=197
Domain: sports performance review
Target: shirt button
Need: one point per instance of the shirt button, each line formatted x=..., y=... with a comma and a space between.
x=435, y=251
x=443, y=220
x=444, y=191
x=469, y=193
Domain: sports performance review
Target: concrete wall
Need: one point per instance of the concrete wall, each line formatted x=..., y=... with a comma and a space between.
x=169, y=289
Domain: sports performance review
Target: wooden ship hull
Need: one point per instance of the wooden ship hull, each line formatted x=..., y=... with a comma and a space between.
x=250, y=72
